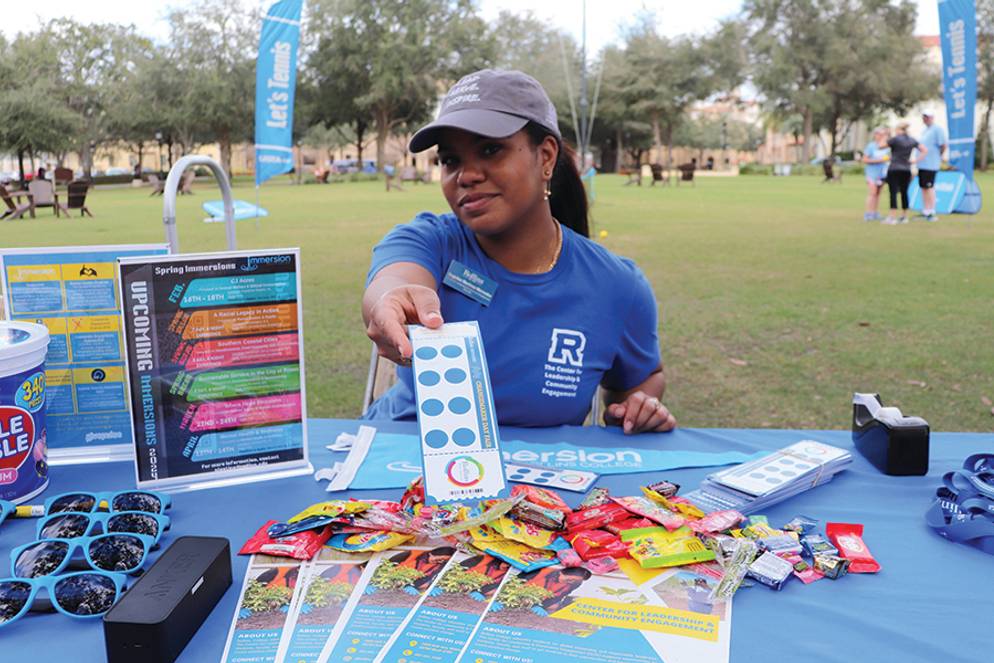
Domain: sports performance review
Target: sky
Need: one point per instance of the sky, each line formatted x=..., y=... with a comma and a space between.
x=604, y=17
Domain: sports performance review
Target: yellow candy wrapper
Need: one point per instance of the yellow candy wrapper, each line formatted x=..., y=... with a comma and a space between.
x=526, y=533
x=517, y=554
x=367, y=541
x=654, y=552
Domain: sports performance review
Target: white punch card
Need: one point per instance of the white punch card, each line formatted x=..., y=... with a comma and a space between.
x=460, y=446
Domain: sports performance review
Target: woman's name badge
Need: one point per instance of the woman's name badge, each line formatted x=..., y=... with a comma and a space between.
x=469, y=282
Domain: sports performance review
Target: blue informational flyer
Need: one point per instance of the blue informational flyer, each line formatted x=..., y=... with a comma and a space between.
x=571, y=614
x=73, y=292
x=270, y=589
x=326, y=583
x=443, y=621
x=389, y=589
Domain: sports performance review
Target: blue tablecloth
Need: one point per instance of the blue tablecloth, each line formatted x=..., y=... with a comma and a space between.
x=932, y=601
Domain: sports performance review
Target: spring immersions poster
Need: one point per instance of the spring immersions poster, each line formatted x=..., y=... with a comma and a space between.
x=215, y=366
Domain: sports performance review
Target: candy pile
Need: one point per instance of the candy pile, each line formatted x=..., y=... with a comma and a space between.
x=536, y=528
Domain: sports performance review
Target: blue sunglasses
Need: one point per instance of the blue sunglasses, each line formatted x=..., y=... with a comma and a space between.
x=84, y=594
x=123, y=500
x=118, y=553
x=71, y=525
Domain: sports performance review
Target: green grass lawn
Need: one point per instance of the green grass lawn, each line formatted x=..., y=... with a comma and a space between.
x=777, y=301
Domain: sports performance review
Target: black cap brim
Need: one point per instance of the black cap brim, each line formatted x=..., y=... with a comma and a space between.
x=489, y=123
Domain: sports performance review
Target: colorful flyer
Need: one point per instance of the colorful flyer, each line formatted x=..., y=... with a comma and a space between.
x=73, y=292
x=443, y=620
x=270, y=588
x=388, y=590
x=460, y=445
x=571, y=614
x=326, y=583
x=216, y=365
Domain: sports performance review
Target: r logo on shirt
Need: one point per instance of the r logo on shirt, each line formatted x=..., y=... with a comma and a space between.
x=567, y=347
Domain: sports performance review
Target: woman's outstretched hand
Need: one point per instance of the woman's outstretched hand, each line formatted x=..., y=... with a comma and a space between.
x=396, y=308
x=640, y=413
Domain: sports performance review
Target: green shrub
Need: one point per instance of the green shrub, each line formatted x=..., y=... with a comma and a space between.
x=363, y=177
x=390, y=575
x=516, y=593
x=260, y=597
x=755, y=169
x=324, y=592
x=458, y=580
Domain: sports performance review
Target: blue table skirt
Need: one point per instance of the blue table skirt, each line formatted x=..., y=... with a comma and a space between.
x=933, y=600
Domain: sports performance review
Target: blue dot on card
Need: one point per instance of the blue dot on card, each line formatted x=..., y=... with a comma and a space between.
x=436, y=439
x=426, y=353
x=772, y=480
x=548, y=474
x=515, y=477
x=541, y=480
x=463, y=437
x=451, y=351
x=432, y=407
x=459, y=405
x=455, y=375
x=428, y=378
x=757, y=475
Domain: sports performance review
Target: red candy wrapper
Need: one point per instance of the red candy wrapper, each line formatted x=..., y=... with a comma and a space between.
x=597, y=543
x=303, y=545
x=628, y=523
x=595, y=516
x=541, y=497
x=601, y=565
x=848, y=538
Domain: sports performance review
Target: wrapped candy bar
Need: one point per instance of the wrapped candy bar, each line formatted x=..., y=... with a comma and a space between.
x=548, y=518
x=848, y=538
x=660, y=489
x=541, y=497
x=831, y=567
x=568, y=557
x=526, y=533
x=595, y=516
x=771, y=570
x=518, y=555
x=628, y=523
x=597, y=497
x=802, y=570
x=718, y=521
x=642, y=506
x=802, y=525
x=303, y=545
x=597, y=543
x=816, y=544
x=601, y=565
x=653, y=552
x=781, y=544
x=369, y=542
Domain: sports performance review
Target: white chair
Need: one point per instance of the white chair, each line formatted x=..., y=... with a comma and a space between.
x=43, y=193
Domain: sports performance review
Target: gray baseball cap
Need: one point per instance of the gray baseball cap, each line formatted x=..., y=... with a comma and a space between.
x=492, y=103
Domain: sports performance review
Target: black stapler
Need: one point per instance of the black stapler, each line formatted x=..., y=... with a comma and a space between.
x=895, y=444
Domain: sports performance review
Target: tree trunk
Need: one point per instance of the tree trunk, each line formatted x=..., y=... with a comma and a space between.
x=224, y=142
x=169, y=155
x=657, y=138
x=985, y=132
x=806, y=132
x=141, y=150
x=360, y=138
x=382, y=133
x=619, y=151
x=20, y=165
x=669, y=146
x=835, y=135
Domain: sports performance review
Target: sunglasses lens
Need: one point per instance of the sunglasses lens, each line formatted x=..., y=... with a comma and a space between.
x=137, y=502
x=117, y=553
x=135, y=523
x=80, y=502
x=68, y=526
x=85, y=594
x=40, y=559
x=13, y=599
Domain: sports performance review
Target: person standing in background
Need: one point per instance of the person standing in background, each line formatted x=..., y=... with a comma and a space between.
x=934, y=139
x=899, y=171
x=875, y=156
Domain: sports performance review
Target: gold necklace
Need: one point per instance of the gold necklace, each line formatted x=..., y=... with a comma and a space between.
x=559, y=245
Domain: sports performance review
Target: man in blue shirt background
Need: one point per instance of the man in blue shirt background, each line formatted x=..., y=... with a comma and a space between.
x=935, y=140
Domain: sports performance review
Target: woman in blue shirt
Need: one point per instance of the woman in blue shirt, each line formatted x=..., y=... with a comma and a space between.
x=565, y=316
x=875, y=156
